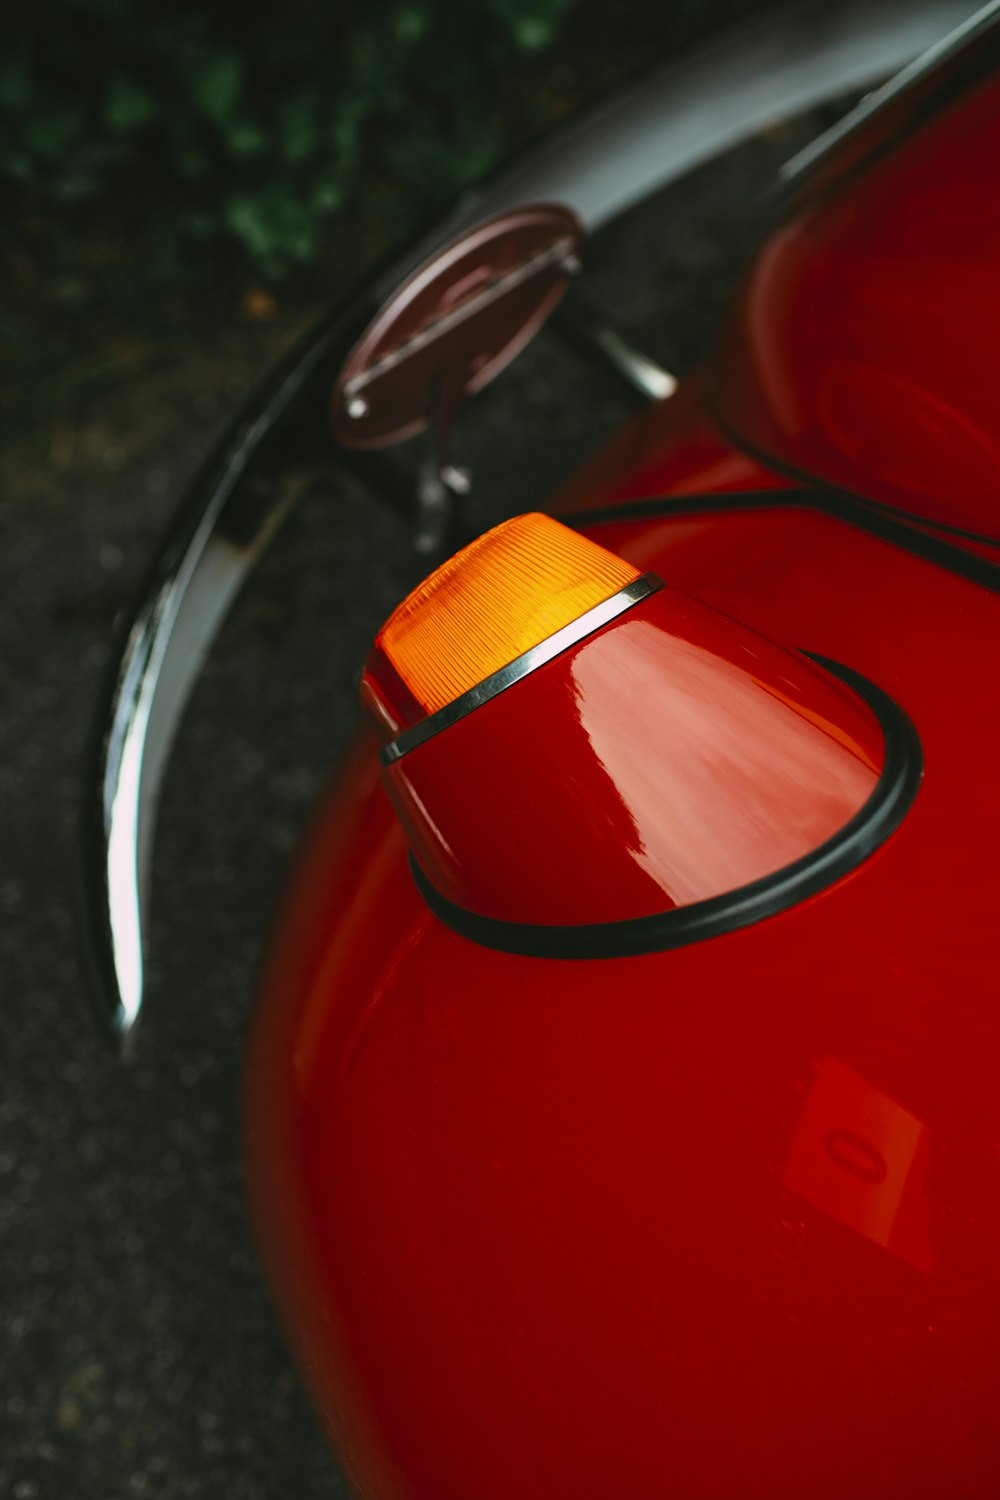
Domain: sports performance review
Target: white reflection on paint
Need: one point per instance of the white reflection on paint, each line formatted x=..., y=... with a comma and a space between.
x=724, y=781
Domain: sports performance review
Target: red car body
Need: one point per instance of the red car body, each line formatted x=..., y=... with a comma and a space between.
x=713, y=1210
x=621, y=1111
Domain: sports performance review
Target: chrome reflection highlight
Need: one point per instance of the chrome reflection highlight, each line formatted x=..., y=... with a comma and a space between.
x=218, y=535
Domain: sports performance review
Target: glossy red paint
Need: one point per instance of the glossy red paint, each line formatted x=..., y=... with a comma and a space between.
x=670, y=757
x=720, y=1221
x=670, y=446
x=862, y=351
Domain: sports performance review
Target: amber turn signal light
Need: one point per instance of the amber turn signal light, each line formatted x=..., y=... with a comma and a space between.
x=496, y=599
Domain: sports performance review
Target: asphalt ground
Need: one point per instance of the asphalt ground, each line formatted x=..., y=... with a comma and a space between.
x=139, y=1351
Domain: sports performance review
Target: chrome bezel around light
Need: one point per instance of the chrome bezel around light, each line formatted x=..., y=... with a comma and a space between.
x=529, y=661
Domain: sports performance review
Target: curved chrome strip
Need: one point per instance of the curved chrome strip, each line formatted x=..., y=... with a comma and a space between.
x=907, y=78
x=748, y=78
x=681, y=117
x=528, y=661
x=222, y=529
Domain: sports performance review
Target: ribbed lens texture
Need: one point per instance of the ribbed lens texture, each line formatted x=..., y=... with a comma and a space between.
x=497, y=598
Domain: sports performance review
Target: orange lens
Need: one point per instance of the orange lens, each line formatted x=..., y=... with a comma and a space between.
x=508, y=590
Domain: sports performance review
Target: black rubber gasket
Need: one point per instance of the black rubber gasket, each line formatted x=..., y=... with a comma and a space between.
x=861, y=836
x=882, y=522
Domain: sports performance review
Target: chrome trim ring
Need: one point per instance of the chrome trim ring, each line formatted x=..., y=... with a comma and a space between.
x=529, y=661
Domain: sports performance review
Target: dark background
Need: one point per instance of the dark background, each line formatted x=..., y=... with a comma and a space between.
x=139, y=1352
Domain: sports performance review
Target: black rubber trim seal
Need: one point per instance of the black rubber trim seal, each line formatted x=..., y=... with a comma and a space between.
x=870, y=826
x=895, y=527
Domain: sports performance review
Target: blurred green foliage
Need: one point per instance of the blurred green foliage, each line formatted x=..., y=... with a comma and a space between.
x=189, y=126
